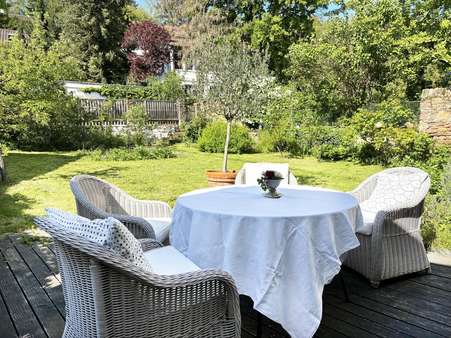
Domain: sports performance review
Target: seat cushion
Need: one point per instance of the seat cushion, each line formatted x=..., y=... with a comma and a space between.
x=108, y=232
x=169, y=261
x=368, y=221
x=253, y=171
x=161, y=226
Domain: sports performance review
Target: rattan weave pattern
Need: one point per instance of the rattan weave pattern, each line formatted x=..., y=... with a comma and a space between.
x=96, y=198
x=395, y=246
x=107, y=296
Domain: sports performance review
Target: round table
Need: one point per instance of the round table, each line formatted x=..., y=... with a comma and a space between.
x=281, y=252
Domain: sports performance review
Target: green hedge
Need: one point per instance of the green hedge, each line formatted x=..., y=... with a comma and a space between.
x=213, y=137
x=167, y=89
x=130, y=154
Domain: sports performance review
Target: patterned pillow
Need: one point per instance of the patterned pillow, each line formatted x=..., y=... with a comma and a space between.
x=394, y=190
x=122, y=241
x=95, y=231
x=107, y=232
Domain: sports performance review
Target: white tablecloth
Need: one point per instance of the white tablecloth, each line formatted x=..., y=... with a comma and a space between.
x=281, y=252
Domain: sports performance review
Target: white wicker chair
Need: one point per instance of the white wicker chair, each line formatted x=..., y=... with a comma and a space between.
x=241, y=176
x=390, y=243
x=108, y=296
x=96, y=198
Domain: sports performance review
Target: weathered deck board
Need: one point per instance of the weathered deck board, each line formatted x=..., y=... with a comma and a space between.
x=6, y=326
x=19, y=309
x=51, y=320
x=48, y=281
x=31, y=301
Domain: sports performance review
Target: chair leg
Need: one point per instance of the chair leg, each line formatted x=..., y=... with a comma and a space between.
x=374, y=284
x=259, y=324
x=343, y=285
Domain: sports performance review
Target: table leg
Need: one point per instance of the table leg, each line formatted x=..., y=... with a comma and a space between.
x=343, y=285
x=259, y=324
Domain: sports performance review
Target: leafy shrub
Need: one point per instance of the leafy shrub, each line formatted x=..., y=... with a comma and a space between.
x=167, y=89
x=193, y=129
x=335, y=143
x=137, y=126
x=130, y=154
x=391, y=145
x=387, y=135
x=283, y=117
x=281, y=137
x=101, y=138
x=4, y=149
x=212, y=139
x=436, y=228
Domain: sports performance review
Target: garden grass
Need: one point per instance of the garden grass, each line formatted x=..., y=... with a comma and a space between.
x=37, y=180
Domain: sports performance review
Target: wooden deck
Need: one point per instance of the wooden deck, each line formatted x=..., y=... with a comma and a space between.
x=32, y=303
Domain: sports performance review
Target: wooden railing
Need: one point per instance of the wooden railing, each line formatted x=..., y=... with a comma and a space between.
x=159, y=112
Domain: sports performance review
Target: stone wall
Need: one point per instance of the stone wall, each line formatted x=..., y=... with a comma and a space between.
x=435, y=113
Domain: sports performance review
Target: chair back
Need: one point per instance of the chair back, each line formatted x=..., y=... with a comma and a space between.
x=397, y=187
x=253, y=171
x=92, y=276
x=95, y=197
x=77, y=258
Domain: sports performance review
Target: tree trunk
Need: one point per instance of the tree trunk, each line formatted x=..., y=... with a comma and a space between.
x=226, y=146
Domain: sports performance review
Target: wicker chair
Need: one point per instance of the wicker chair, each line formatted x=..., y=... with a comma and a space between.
x=241, y=176
x=96, y=198
x=390, y=242
x=107, y=296
x=2, y=168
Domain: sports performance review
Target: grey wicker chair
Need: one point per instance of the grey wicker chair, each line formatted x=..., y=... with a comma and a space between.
x=390, y=242
x=241, y=176
x=107, y=296
x=96, y=198
x=2, y=168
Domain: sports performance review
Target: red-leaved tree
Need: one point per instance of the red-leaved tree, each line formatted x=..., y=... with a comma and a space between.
x=148, y=48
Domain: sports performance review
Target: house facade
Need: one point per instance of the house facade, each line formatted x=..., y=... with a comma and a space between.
x=6, y=34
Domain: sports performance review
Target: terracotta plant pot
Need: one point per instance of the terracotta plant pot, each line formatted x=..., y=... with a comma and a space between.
x=218, y=178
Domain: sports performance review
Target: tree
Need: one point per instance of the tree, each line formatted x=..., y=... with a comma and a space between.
x=233, y=82
x=198, y=23
x=48, y=14
x=148, y=49
x=3, y=13
x=137, y=14
x=367, y=53
x=271, y=25
x=35, y=112
x=97, y=27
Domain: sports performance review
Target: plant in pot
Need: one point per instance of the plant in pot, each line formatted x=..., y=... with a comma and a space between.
x=269, y=181
x=233, y=82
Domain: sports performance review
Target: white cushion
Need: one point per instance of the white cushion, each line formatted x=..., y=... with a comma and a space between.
x=394, y=189
x=368, y=221
x=108, y=232
x=161, y=226
x=169, y=261
x=253, y=171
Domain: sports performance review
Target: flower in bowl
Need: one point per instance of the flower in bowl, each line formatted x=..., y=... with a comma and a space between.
x=269, y=181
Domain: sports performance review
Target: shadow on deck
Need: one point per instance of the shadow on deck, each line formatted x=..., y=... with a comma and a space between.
x=32, y=303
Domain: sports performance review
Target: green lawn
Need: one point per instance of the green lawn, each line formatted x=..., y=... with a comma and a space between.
x=40, y=180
